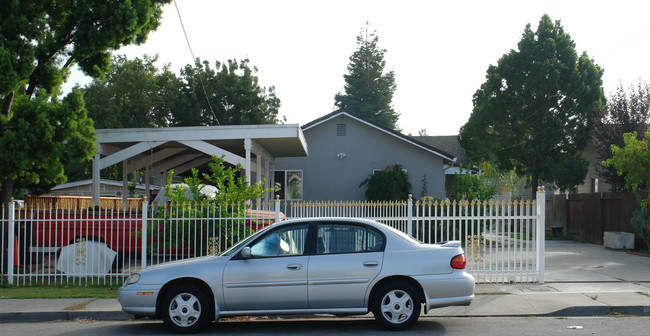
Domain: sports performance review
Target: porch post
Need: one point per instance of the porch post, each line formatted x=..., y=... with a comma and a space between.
x=143, y=251
x=248, y=145
x=96, y=178
x=125, y=186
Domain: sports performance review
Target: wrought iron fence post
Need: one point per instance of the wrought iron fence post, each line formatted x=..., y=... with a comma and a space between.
x=541, y=225
x=277, y=208
x=10, y=242
x=409, y=215
x=143, y=252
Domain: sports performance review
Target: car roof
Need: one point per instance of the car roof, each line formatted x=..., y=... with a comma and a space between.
x=330, y=219
x=352, y=220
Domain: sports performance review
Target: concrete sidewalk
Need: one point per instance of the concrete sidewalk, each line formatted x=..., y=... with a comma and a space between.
x=580, y=280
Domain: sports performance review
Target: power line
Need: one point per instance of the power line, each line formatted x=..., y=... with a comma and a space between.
x=205, y=93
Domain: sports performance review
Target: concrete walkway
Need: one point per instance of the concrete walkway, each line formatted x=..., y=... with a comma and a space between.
x=580, y=280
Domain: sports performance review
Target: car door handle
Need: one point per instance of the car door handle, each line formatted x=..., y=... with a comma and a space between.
x=294, y=267
x=370, y=264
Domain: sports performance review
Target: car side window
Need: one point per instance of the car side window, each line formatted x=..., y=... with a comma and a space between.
x=345, y=238
x=284, y=241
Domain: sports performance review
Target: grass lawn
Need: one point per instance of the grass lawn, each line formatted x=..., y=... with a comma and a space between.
x=58, y=292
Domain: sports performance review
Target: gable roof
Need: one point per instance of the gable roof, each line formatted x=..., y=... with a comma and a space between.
x=448, y=142
x=408, y=139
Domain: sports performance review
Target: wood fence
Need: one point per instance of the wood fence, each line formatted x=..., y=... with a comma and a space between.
x=586, y=217
x=80, y=202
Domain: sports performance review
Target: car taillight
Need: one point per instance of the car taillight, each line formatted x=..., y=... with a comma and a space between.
x=458, y=262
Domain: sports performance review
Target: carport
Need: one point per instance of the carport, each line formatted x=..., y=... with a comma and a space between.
x=158, y=150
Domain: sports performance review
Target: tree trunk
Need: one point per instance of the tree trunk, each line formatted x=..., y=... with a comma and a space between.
x=6, y=106
x=534, y=183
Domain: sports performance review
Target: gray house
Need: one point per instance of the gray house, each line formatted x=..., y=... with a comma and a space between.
x=345, y=149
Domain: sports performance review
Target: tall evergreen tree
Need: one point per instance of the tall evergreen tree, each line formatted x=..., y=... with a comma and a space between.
x=536, y=108
x=368, y=88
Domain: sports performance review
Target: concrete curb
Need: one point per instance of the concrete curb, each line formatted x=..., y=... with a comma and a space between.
x=64, y=316
x=34, y=316
x=577, y=311
x=601, y=311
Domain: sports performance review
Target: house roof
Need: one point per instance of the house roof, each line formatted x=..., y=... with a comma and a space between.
x=446, y=155
x=449, y=143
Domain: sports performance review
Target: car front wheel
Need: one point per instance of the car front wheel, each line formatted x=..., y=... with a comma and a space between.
x=396, y=306
x=186, y=309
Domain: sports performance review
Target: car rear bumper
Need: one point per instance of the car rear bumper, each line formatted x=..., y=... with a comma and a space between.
x=451, y=301
x=456, y=289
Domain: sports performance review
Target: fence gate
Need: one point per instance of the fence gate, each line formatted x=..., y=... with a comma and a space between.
x=503, y=240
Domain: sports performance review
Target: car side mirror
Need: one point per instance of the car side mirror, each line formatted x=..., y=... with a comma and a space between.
x=246, y=252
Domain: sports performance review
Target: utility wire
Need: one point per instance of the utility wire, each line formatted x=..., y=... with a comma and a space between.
x=205, y=93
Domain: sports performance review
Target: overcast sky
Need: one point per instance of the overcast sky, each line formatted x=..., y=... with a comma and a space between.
x=440, y=51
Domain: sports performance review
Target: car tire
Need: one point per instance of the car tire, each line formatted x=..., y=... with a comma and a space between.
x=186, y=309
x=396, y=306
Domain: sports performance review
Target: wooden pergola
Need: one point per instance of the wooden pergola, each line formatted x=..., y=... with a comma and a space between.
x=157, y=150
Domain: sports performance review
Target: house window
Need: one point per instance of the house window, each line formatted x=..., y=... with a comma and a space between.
x=290, y=182
x=375, y=171
x=341, y=129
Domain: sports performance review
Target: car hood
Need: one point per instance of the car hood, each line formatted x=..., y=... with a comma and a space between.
x=201, y=267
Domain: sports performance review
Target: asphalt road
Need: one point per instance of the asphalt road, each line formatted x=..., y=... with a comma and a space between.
x=620, y=325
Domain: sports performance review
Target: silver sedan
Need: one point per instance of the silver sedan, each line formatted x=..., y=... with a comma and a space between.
x=306, y=266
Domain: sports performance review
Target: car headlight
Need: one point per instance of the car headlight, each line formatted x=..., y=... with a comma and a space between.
x=135, y=277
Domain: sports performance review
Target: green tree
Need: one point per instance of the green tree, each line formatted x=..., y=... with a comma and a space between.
x=234, y=96
x=39, y=42
x=134, y=94
x=390, y=184
x=534, y=113
x=40, y=137
x=368, y=88
x=225, y=213
x=633, y=162
x=627, y=111
x=510, y=180
x=472, y=187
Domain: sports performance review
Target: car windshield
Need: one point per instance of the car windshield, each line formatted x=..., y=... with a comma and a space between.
x=242, y=242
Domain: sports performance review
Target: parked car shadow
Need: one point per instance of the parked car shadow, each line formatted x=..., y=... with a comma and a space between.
x=273, y=326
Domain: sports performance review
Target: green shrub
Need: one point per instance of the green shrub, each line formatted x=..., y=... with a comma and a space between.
x=390, y=184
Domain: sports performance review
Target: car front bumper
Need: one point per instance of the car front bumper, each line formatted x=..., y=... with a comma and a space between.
x=138, y=300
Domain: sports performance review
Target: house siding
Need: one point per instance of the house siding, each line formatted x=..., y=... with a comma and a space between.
x=326, y=177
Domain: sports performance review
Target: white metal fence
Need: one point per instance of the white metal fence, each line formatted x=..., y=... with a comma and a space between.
x=503, y=241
